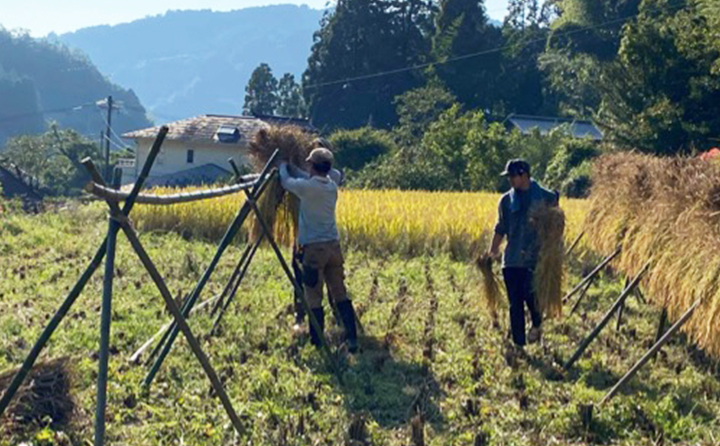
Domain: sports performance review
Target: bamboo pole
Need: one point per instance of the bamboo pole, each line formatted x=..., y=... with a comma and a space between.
x=650, y=353
x=243, y=213
x=576, y=305
x=622, y=306
x=136, y=356
x=166, y=200
x=80, y=284
x=251, y=254
x=596, y=331
x=574, y=243
x=594, y=273
x=233, y=278
x=132, y=237
x=105, y=321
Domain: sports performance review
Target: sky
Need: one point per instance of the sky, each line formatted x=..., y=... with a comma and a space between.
x=41, y=17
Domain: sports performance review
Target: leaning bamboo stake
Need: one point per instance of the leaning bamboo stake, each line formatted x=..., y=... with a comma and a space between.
x=650, y=353
x=596, y=331
x=135, y=357
x=574, y=243
x=594, y=273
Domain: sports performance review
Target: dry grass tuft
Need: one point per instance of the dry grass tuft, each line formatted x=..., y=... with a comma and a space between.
x=666, y=210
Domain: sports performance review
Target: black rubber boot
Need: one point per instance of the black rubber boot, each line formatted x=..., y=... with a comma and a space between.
x=347, y=313
x=319, y=314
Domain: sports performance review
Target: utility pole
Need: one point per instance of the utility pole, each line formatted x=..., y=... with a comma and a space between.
x=107, y=138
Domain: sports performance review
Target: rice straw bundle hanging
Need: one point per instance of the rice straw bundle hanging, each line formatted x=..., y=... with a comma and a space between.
x=667, y=211
x=490, y=284
x=549, y=223
x=279, y=209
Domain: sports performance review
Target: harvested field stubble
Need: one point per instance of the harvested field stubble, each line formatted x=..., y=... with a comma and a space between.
x=666, y=210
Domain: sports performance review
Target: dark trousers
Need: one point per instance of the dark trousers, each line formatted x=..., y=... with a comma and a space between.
x=519, y=284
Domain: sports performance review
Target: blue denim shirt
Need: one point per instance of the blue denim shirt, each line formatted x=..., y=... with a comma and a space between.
x=521, y=249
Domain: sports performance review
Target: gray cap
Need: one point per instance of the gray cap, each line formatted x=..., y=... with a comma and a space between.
x=516, y=167
x=320, y=155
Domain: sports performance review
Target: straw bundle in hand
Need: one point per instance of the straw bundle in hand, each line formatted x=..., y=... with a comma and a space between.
x=549, y=223
x=490, y=284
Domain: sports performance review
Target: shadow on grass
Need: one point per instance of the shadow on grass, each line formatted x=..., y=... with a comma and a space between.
x=391, y=391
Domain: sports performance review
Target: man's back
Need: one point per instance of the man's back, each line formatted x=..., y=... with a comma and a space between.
x=318, y=200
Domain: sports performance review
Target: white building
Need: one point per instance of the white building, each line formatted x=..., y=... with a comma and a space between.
x=197, y=150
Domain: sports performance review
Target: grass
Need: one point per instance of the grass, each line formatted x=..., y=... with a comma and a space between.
x=444, y=360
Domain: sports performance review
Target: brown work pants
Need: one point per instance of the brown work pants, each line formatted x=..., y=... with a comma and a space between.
x=323, y=263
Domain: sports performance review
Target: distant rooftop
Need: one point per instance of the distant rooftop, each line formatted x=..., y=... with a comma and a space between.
x=578, y=128
x=219, y=129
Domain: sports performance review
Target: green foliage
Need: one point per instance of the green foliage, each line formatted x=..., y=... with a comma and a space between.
x=570, y=168
x=290, y=99
x=54, y=159
x=418, y=108
x=462, y=28
x=362, y=38
x=356, y=148
x=261, y=92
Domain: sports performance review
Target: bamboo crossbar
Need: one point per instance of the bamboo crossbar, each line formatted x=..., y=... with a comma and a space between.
x=107, y=193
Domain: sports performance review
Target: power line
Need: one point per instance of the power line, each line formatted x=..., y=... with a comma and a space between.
x=476, y=54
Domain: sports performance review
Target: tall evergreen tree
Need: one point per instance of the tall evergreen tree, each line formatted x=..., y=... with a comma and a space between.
x=358, y=40
x=261, y=92
x=462, y=29
x=290, y=100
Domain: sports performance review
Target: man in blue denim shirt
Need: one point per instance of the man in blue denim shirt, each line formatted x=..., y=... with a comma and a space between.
x=521, y=249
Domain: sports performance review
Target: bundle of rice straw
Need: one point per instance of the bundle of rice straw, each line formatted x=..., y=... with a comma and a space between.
x=549, y=223
x=667, y=211
x=279, y=210
x=490, y=284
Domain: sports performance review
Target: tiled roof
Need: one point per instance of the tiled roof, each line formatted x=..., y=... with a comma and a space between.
x=203, y=128
x=578, y=128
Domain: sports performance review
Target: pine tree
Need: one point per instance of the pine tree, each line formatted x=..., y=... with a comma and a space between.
x=261, y=92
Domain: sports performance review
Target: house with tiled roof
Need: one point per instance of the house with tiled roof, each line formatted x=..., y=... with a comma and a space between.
x=196, y=150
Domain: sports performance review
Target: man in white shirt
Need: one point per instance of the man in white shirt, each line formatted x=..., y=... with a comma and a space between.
x=320, y=242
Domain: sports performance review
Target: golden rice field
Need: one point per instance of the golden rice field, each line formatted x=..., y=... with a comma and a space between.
x=382, y=222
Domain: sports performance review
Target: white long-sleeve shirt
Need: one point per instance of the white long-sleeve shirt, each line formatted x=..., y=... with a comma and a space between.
x=318, y=199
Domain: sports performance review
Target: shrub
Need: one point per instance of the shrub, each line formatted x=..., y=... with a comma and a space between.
x=356, y=148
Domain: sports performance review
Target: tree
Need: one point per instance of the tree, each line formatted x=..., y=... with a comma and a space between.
x=525, y=31
x=290, y=99
x=352, y=75
x=417, y=109
x=462, y=29
x=261, y=92
x=662, y=94
x=54, y=158
x=356, y=148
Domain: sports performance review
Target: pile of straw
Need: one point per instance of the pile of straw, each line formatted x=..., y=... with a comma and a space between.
x=490, y=284
x=549, y=223
x=279, y=210
x=667, y=211
x=44, y=395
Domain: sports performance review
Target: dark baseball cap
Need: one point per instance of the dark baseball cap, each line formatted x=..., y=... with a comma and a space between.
x=516, y=167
